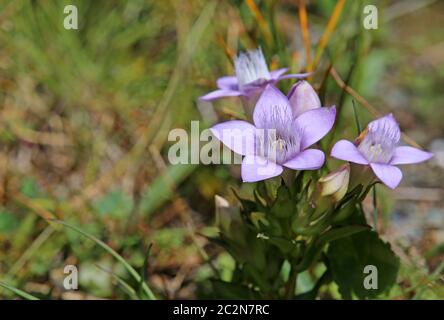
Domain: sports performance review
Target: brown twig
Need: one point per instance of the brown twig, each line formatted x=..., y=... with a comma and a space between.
x=260, y=20
x=331, y=25
x=303, y=21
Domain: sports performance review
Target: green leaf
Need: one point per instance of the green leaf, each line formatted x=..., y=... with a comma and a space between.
x=247, y=205
x=298, y=183
x=338, y=233
x=284, y=245
x=283, y=207
x=258, y=219
x=348, y=258
x=260, y=201
x=316, y=247
x=261, y=191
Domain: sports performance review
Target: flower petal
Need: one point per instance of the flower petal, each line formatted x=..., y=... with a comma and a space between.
x=256, y=168
x=271, y=104
x=295, y=76
x=315, y=124
x=406, y=155
x=275, y=74
x=302, y=98
x=237, y=135
x=390, y=175
x=221, y=93
x=336, y=183
x=255, y=87
x=228, y=83
x=386, y=125
x=347, y=151
x=310, y=159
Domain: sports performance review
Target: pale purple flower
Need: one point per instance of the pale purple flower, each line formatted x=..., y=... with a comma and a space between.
x=252, y=76
x=378, y=148
x=278, y=138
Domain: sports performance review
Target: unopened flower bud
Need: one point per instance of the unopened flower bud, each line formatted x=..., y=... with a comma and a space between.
x=335, y=184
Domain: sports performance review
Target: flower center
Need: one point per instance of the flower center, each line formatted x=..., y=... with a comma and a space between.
x=250, y=67
x=376, y=153
x=380, y=141
x=278, y=146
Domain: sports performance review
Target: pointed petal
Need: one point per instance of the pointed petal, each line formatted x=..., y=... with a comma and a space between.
x=221, y=93
x=310, y=159
x=302, y=98
x=228, y=83
x=237, y=135
x=406, y=155
x=390, y=175
x=256, y=168
x=347, y=151
x=271, y=104
x=315, y=124
x=295, y=76
x=275, y=74
x=386, y=125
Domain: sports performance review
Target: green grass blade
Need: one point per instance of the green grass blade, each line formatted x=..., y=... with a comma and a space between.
x=18, y=292
x=123, y=284
x=118, y=257
x=144, y=268
x=358, y=124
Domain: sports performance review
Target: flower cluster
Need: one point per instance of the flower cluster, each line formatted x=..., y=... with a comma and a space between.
x=285, y=128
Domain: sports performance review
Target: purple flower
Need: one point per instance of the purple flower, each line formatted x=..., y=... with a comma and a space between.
x=252, y=76
x=377, y=148
x=278, y=138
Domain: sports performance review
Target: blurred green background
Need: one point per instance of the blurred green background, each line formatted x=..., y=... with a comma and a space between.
x=85, y=116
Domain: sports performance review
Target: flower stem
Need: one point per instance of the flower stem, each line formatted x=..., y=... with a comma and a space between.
x=249, y=103
x=375, y=210
x=291, y=284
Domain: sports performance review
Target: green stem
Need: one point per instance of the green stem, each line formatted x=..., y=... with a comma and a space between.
x=375, y=210
x=249, y=104
x=291, y=284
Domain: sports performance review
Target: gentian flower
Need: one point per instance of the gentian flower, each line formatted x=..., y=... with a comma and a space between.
x=377, y=147
x=278, y=138
x=252, y=76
